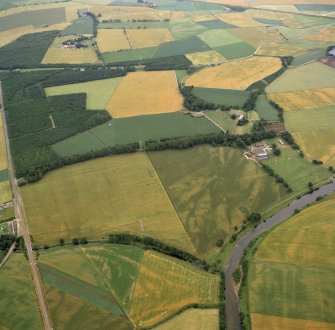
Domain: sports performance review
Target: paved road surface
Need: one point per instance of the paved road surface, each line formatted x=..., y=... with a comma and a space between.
x=18, y=207
x=231, y=301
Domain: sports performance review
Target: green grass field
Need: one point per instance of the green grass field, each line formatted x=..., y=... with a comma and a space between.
x=109, y=267
x=83, y=26
x=309, y=76
x=217, y=38
x=236, y=50
x=307, y=120
x=5, y=192
x=215, y=191
x=294, y=265
x=295, y=170
x=134, y=129
x=18, y=305
x=103, y=196
x=7, y=214
x=265, y=110
x=185, y=28
x=37, y=18
x=307, y=57
x=129, y=55
x=4, y=229
x=222, y=118
x=181, y=47
x=222, y=96
x=98, y=91
x=134, y=25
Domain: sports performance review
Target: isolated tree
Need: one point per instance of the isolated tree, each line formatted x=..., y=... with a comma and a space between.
x=75, y=241
x=61, y=241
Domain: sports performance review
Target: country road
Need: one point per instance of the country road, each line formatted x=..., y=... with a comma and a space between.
x=8, y=255
x=231, y=301
x=19, y=214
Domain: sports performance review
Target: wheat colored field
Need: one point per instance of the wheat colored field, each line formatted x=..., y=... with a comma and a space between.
x=141, y=38
x=239, y=20
x=110, y=40
x=210, y=57
x=235, y=75
x=280, y=49
x=182, y=283
x=118, y=194
x=196, y=319
x=305, y=99
x=69, y=56
x=145, y=93
x=5, y=192
x=327, y=34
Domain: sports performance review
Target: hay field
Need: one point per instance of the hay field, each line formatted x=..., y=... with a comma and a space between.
x=125, y=13
x=327, y=34
x=235, y=75
x=323, y=149
x=110, y=267
x=280, y=49
x=258, y=35
x=210, y=57
x=18, y=305
x=5, y=192
x=305, y=99
x=262, y=321
x=196, y=319
x=310, y=76
x=239, y=20
x=69, y=56
x=3, y=150
x=294, y=265
x=98, y=92
x=201, y=190
x=103, y=196
x=217, y=38
x=297, y=171
x=183, y=284
x=145, y=93
x=110, y=40
x=142, y=38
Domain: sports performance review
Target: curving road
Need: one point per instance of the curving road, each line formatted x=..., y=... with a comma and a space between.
x=231, y=301
x=19, y=214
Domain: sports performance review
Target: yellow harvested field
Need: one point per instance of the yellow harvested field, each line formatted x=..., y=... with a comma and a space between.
x=210, y=57
x=305, y=99
x=129, y=13
x=270, y=2
x=318, y=145
x=145, y=93
x=196, y=319
x=259, y=13
x=202, y=18
x=10, y=35
x=258, y=35
x=69, y=56
x=5, y=192
x=183, y=285
x=327, y=34
x=235, y=75
x=141, y=38
x=3, y=150
x=280, y=49
x=111, y=40
x=239, y=19
x=263, y=321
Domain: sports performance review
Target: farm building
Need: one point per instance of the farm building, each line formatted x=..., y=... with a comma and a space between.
x=258, y=151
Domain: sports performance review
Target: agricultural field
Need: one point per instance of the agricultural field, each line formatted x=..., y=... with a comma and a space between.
x=57, y=55
x=196, y=319
x=19, y=309
x=265, y=110
x=310, y=76
x=235, y=75
x=98, y=92
x=141, y=88
x=305, y=99
x=134, y=129
x=110, y=40
x=327, y=34
x=210, y=57
x=183, y=285
x=201, y=190
x=7, y=214
x=217, y=38
x=142, y=38
x=128, y=55
x=239, y=20
x=77, y=199
x=222, y=119
x=297, y=171
x=3, y=150
x=294, y=265
x=5, y=192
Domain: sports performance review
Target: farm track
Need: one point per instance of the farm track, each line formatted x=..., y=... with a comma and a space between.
x=233, y=320
x=19, y=214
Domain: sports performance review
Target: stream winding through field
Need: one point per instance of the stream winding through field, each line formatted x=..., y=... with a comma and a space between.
x=231, y=301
